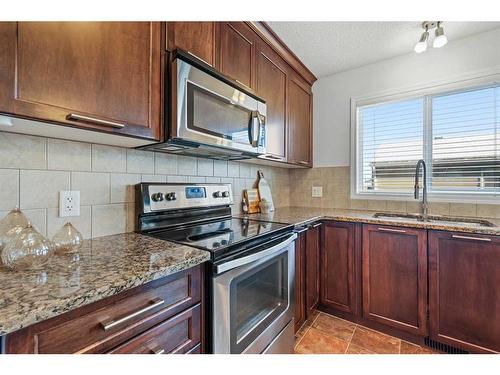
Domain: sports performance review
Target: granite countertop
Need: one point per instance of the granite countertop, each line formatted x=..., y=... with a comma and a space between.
x=305, y=215
x=104, y=267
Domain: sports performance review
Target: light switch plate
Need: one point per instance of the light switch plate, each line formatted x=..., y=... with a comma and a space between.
x=69, y=203
x=317, y=191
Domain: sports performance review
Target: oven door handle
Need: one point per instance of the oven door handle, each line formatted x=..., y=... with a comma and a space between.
x=272, y=251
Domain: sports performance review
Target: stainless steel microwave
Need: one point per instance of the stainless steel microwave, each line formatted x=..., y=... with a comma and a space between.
x=210, y=115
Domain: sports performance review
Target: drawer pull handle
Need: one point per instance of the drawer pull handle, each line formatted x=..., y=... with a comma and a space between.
x=98, y=121
x=158, y=350
x=391, y=230
x=113, y=323
x=471, y=238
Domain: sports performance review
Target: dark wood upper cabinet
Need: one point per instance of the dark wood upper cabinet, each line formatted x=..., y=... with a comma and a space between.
x=464, y=280
x=272, y=78
x=312, y=268
x=238, y=50
x=100, y=75
x=395, y=277
x=198, y=38
x=299, y=122
x=300, y=285
x=337, y=267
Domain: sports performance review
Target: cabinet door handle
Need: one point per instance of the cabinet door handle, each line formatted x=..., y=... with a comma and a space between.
x=457, y=236
x=391, y=230
x=270, y=156
x=157, y=302
x=301, y=162
x=158, y=350
x=95, y=120
x=199, y=58
x=316, y=225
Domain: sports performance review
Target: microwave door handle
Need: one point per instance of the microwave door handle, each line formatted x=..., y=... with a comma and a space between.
x=254, y=123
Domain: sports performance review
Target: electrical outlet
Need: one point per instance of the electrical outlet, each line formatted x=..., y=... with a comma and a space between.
x=317, y=191
x=69, y=203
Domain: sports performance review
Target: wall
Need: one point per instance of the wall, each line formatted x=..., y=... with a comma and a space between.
x=332, y=94
x=34, y=169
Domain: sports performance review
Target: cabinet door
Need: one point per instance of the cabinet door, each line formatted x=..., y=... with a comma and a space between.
x=395, y=277
x=104, y=76
x=300, y=307
x=464, y=303
x=312, y=268
x=337, y=267
x=197, y=38
x=299, y=122
x=272, y=87
x=237, y=52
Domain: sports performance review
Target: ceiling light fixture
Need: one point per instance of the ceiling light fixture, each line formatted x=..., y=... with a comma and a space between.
x=439, y=40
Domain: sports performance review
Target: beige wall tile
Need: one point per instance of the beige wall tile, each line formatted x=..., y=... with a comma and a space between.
x=94, y=187
x=40, y=189
x=123, y=187
x=187, y=166
x=358, y=204
x=488, y=210
x=38, y=219
x=131, y=217
x=413, y=207
x=22, y=151
x=68, y=155
x=109, y=219
x=245, y=170
x=177, y=178
x=108, y=159
x=165, y=163
x=153, y=178
x=9, y=189
x=140, y=161
x=396, y=206
x=220, y=168
x=463, y=209
x=205, y=167
x=196, y=179
x=439, y=208
x=376, y=205
x=212, y=180
x=233, y=169
x=82, y=223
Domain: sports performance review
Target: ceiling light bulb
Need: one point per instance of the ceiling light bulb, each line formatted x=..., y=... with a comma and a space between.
x=440, y=39
x=421, y=46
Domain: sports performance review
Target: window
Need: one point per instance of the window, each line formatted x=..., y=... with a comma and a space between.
x=456, y=133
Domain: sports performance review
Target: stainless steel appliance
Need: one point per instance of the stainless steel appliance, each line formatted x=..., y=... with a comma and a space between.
x=211, y=115
x=250, y=276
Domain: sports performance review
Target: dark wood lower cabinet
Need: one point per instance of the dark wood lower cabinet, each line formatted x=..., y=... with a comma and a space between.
x=164, y=314
x=464, y=277
x=300, y=285
x=338, y=267
x=312, y=268
x=395, y=277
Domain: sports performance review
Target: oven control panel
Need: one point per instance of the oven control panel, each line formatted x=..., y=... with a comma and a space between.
x=161, y=197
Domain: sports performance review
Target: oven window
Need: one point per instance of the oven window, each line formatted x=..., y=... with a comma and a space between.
x=211, y=114
x=258, y=297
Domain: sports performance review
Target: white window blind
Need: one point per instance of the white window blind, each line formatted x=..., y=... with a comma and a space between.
x=457, y=134
x=391, y=142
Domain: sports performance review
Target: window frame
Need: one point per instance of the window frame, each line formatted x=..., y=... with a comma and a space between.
x=465, y=83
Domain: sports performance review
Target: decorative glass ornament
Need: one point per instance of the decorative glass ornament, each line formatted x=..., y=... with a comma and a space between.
x=67, y=240
x=30, y=250
x=10, y=227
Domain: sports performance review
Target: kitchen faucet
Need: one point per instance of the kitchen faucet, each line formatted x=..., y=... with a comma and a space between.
x=424, y=206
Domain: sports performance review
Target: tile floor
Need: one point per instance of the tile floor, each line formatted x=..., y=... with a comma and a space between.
x=326, y=334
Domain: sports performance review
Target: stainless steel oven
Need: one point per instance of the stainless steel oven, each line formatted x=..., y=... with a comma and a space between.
x=253, y=300
x=211, y=115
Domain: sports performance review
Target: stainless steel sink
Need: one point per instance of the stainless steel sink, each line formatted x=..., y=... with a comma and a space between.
x=436, y=218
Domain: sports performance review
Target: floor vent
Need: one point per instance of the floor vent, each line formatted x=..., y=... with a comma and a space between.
x=436, y=345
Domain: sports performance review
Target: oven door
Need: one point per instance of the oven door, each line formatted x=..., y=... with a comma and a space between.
x=212, y=112
x=253, y=299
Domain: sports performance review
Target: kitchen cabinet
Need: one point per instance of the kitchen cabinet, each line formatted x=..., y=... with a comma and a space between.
x=464, y=279
x=197, y=38
x=338, y=289
x=162, y=316
x=103, y=76
x=299, y=131
x=300, y=284
x=238, y=50
x=394, y=268
x=312, y=267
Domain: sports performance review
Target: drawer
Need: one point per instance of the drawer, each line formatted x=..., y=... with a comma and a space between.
x=103, y=325
x=177, y=335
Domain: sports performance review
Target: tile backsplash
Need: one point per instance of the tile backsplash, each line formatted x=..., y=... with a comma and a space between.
x=336, y=194
x=34, y=169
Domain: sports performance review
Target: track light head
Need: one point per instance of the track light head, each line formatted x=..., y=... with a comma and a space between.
x=421, y=45
x=440, y=39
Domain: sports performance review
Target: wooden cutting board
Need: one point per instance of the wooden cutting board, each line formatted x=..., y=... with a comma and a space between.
x=252, y=198
x=265, y=190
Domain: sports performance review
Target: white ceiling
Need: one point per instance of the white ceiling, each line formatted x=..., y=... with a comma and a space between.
x=332, y=47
